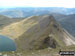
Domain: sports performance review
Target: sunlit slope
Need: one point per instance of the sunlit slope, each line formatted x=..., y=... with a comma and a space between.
x=36, y=32
x=16, y=29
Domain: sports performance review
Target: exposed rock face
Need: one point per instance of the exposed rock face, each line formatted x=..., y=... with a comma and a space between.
x=49, y=42
x=36, y=32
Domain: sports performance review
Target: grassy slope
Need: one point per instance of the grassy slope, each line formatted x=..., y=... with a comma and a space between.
x=4, y=21
x=30, y=33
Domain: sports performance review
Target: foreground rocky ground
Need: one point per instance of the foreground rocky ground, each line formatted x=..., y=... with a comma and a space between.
x=45, y=52
x=42, y=52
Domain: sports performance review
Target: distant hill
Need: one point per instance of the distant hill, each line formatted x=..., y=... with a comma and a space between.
x=68, y=23
x=4, y=20
x=38, y=32
x=58, y=17
x=31, y=11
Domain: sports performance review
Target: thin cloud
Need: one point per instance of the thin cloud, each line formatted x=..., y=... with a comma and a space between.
x=38, y=3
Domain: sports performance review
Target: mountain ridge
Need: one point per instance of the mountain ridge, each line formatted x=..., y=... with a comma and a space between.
x=37, y=32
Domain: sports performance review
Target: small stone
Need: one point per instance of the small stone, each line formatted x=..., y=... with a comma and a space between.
x=32, y=53
x=49, y=48
x=0, y=53
x=39, y=51
x=5, y=55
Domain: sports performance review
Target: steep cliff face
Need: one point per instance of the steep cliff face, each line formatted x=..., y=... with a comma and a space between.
x=36, y=32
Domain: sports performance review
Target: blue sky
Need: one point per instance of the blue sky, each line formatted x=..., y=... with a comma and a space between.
x=37, y=3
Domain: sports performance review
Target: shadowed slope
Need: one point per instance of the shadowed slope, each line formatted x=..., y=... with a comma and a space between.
x=4, y=21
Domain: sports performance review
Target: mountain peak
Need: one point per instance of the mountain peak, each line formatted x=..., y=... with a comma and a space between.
x=37, y=32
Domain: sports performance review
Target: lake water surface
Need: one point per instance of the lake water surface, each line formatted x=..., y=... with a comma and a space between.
x=6, y=44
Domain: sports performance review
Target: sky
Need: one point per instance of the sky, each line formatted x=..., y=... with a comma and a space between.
x=37, y=3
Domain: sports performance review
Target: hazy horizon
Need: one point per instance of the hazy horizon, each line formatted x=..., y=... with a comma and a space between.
x=37, y=3
x=30, y=7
